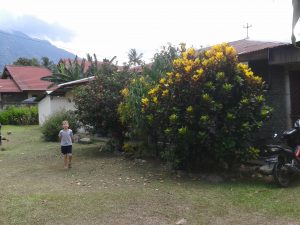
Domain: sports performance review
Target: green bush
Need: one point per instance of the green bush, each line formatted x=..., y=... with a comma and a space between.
x=207, y=109
x=19, y=115
x=130, y=109
x=98, y=101
x=53, y=124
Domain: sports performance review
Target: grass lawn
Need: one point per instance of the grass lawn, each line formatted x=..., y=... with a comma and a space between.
x=107, y=189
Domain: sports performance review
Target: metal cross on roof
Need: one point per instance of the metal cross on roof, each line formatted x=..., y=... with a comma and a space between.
x=247, y=27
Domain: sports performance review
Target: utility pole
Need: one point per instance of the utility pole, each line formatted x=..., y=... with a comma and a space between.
x=247, y=27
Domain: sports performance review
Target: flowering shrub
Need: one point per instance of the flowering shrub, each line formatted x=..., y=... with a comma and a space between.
x=130, y=110
x=207, y=108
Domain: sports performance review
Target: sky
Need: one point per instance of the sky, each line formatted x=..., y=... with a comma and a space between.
x=112, y=28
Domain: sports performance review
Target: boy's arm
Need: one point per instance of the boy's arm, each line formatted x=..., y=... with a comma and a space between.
x=72, y=136
x=59, y=135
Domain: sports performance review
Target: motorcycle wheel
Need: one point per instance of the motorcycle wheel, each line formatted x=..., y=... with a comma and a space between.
x=281, y=175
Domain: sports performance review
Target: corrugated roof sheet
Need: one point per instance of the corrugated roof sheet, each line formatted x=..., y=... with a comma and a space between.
x=8, y=86
x=29, y=77
x=73, y=83
x=245, y=46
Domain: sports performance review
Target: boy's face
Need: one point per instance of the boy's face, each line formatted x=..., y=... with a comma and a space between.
x=65, y=125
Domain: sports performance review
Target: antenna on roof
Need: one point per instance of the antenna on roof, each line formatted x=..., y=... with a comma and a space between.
x=247, y=27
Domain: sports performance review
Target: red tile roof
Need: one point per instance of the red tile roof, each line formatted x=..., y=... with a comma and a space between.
x=245, y=46
x=8, y=85
x=28, y=77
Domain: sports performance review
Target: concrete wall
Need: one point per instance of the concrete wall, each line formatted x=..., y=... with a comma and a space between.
x=52, y=104
x=44, y=109
x=277, y=97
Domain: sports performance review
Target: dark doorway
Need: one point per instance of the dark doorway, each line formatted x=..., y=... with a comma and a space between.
x=295, y=95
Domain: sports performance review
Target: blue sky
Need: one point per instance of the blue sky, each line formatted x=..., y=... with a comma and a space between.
x=110, y=28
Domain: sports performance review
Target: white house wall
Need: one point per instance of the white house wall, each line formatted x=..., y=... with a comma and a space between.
x=44, y=108
x=52, y=104
x=59, y=103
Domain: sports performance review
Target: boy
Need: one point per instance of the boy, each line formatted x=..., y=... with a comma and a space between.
x=66, y=139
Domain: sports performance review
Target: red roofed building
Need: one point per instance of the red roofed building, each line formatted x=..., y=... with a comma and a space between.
x=21, y=82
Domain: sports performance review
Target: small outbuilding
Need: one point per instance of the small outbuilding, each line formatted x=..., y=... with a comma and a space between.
x=62, y=98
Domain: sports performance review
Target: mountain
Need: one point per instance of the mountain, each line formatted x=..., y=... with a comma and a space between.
x=14, y=45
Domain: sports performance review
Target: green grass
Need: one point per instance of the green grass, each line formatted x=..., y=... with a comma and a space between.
x=107, y=189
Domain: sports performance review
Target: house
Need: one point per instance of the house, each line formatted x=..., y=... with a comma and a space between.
x=279, y=65
x=22, y=82
x=59, y=99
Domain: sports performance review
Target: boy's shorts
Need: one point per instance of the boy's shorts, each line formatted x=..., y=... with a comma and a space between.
x=66, y=149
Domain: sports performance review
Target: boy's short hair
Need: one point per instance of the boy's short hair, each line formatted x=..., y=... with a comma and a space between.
x=65, y=122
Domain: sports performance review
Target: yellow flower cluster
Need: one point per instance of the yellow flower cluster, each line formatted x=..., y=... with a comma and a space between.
x=145, y=101
x=189, y=109
x=219, y=53
x=189, y=59
x=165, y=92
x=192, y=67
x=125, y=92
x=162, y=81
x=154, y=90
x=249, y=75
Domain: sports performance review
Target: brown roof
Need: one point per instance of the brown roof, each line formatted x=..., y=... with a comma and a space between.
x=27, y=77
x=8, y=86
x=245, y=46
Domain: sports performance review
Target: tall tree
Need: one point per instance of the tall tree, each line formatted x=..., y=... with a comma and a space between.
x=46, y=62
x=135, y=59
x=22, y=61
x=67, y=71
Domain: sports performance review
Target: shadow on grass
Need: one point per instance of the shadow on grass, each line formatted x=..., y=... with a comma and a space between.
x=92, y=151
x=159, y=171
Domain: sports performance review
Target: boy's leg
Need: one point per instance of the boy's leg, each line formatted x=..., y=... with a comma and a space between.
x=66, y=160
x=70, y=160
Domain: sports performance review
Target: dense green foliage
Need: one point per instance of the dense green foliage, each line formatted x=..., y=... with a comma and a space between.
x=207, y=108
x=44, y=62
x=14, y=115
x=98, y=101
x=53, y=124
x=196, y=107
x=22, y=61
x=130, y=110
x=67, y=71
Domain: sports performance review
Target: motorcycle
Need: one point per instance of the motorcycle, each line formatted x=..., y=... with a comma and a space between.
x=282, y=160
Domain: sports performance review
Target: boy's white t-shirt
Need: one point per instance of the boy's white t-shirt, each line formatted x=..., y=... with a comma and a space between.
x=66, y=137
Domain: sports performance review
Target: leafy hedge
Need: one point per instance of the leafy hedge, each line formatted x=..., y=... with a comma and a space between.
x=19, y=115
x=53, y=124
